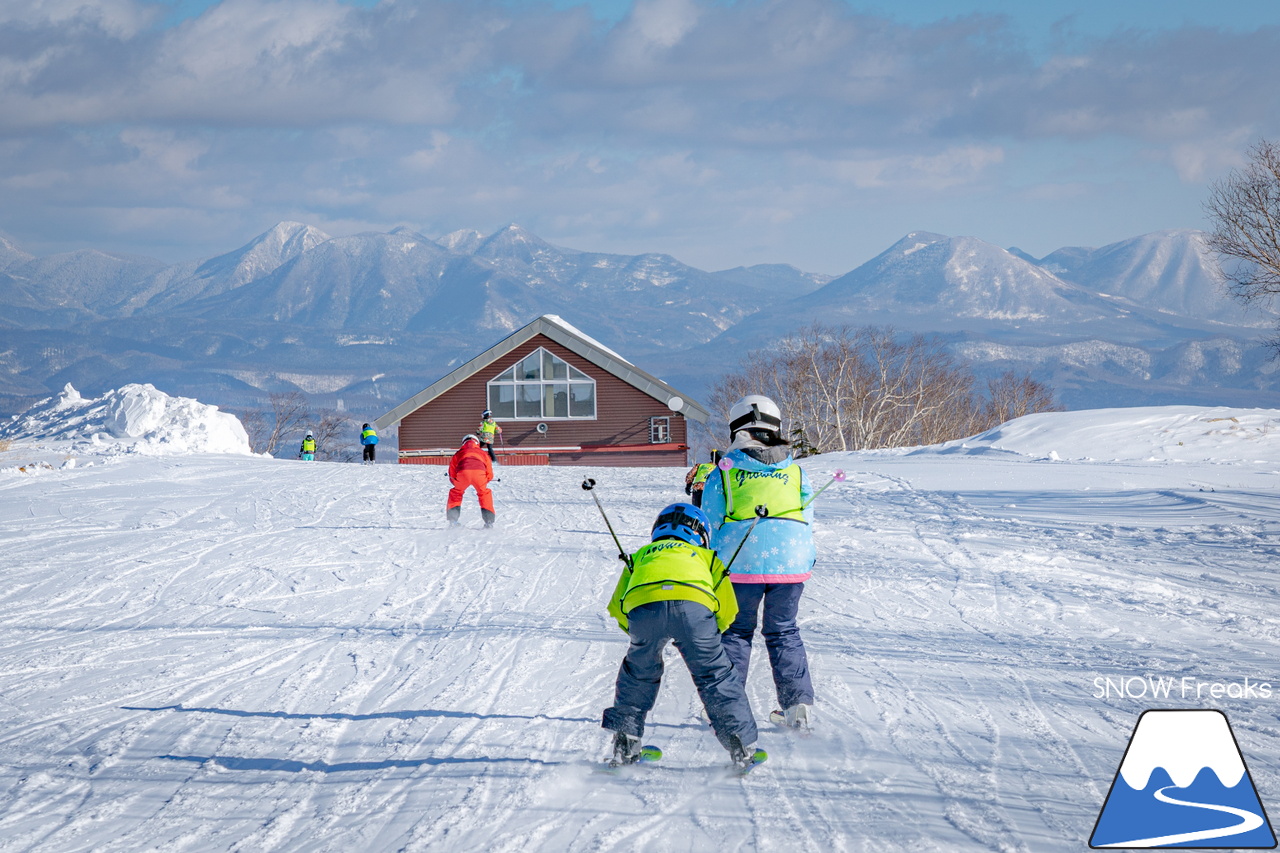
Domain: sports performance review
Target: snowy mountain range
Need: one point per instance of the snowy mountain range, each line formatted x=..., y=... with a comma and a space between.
x=372, y=318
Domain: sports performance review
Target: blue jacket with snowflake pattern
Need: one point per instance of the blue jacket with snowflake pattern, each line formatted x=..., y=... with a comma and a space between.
x=779, y=550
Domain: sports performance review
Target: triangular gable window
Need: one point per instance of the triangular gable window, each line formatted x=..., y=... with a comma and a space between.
x=542, y=386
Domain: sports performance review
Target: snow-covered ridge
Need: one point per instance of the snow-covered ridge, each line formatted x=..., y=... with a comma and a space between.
x=132, y=419
x=1151, y=434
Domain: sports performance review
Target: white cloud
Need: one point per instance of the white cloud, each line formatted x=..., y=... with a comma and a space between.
x=164, y=149
x=1196, y=160
x=425, y=159
x=662, y=23
x=940, y=171
x=117, y=18
x=686, y=117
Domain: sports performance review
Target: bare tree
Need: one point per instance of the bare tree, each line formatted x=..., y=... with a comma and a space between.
x=255, y=426
x=1244, y=208
x=290, y=411
x=1012, y=396
x=333, y=432
x=846, y=389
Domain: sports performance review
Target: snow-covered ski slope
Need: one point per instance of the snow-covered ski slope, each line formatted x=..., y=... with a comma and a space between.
x=231, y=653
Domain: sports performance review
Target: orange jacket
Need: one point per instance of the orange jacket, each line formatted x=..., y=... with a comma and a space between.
x=470, y=457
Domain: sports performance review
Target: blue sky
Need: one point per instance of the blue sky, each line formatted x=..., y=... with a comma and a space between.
x=809, y=132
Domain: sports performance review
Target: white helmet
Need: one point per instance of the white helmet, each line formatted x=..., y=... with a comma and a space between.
x=470, y=437
x=755, y=411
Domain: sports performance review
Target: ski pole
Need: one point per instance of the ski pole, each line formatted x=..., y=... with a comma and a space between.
x=837, y=477
x=588, y=485
x=762, y=511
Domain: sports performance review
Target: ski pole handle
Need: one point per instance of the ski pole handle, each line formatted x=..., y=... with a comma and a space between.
x=837, y=477
x=726, y=464
x=762, y=511
x=589, y=485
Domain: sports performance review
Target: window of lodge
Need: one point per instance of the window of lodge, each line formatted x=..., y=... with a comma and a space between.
x=542, y=386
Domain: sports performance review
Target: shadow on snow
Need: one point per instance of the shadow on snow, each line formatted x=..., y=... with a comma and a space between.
x=289, y=766
x=379, y=715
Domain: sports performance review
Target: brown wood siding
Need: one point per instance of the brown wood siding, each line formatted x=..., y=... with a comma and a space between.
x=622, y=417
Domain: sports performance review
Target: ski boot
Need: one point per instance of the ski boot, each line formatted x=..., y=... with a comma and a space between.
x=626, y=749
x=745, y=757
x=795, y=717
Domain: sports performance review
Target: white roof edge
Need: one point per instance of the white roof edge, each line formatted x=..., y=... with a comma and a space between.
x=565, y=334
x=574, y=330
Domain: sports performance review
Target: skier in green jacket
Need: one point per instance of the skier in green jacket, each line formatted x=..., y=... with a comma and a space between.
x=675, y=589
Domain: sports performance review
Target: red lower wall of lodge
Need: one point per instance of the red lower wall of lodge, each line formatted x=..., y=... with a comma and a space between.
x=662, y=456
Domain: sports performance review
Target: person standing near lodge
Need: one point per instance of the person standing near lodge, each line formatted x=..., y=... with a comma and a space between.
x=488, y=431
x=307, y=453
x=778, y=557
x=696, y=479
x=470, y=468
x=369, y=438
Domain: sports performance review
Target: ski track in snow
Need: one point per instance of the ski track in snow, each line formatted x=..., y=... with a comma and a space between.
x=230, y=654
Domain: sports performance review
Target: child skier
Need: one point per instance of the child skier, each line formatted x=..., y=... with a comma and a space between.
x=488, y=430
x=696, y=479
x=369, y=438
x=676, y=589
x=307, y=453
x=470, y=468
x=772, y=567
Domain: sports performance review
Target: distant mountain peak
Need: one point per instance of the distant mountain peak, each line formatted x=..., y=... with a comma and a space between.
x=410, y=233
x=11, y=255
x=291, y=238
x=514, y=243
x=464, y=241
x=513, y=233
x=915, y=241
x=274, y=247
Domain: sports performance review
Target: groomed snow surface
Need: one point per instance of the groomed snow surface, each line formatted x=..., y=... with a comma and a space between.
x=213, y=652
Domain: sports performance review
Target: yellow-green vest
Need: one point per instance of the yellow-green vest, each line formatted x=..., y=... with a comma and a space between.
x=779, y=490
x=672, y=570
x=308, y=445
x=487, y=431
x=702, y=472
x=366, y=433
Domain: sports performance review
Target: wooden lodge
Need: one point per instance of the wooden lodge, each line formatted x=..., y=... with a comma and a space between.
x=560, y=397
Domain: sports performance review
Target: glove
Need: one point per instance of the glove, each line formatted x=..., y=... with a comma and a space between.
x=688, y=489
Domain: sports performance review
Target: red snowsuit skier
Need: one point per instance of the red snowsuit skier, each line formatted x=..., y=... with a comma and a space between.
x=470, y=468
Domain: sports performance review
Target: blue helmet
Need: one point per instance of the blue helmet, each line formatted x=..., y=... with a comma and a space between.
x=685, y=522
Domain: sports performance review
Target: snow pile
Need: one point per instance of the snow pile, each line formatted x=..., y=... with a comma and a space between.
x=132, y=419
x=1151, y=434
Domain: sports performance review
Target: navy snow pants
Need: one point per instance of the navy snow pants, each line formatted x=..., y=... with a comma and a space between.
x=787, y=656
x=692, y=627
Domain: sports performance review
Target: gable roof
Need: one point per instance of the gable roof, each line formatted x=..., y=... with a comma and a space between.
x=569, y=337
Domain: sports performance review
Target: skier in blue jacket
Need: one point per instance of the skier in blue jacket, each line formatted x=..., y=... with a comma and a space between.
x=369, y=438
x=778, y=557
